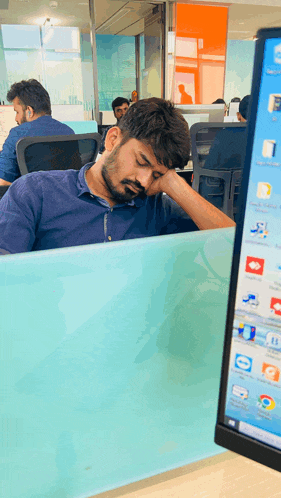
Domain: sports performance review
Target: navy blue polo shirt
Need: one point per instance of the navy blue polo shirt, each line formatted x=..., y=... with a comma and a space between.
x=53, y=209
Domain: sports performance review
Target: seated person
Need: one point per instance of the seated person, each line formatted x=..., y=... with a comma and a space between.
x=119, y=106
x=33, y=115
x=120, y=197
x=226, y=153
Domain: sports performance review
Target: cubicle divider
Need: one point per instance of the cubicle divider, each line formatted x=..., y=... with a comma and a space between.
x=110, y=361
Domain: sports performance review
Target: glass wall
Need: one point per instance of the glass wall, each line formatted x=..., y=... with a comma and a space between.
x=54, y=56
x=116, y=68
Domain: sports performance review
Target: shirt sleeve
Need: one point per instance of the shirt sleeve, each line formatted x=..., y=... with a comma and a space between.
x=9, y=170
x=20, y=210
x=176, y=220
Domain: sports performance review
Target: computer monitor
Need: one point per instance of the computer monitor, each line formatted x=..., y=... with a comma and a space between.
x=202, y=113
x=7, y=121
x=249, y=412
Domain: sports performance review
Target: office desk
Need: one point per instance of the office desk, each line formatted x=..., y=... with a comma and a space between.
x=110, y=362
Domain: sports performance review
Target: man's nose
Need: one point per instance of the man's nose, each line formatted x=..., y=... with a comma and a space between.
x=145, y=178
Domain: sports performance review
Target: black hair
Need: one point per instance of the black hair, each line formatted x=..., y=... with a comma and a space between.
x=31, y=93
x=119, y=101
x=219, y=101
x=236, y=99
x=158, y=123
x=244, y=106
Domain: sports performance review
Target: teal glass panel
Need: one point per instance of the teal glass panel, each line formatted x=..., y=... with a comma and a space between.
x=116, y=68
x=110, y=361
x=82, y=126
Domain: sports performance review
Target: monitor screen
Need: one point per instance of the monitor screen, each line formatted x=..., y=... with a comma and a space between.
x=249, y=415
x=212, y=112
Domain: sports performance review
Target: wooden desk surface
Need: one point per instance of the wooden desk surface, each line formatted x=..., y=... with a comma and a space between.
x=223, y=476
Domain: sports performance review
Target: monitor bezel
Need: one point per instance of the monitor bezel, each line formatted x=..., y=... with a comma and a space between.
x=224, y=435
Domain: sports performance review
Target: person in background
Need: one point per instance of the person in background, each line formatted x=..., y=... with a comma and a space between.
x=227, y=152
x=221, y=101
x=185, y=97
x=120, y=197
x=120, y=105
x=33, y=115
x=236, y=99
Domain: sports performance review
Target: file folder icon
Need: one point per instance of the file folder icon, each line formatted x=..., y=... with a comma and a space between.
x=264, y=190
x=269, y=148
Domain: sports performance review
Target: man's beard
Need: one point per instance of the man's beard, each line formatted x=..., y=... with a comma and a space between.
x=23, y=119
x=111, y=165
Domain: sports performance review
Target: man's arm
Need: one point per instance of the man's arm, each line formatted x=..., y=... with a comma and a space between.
x=203, y=213
x=4, y=183
x=20, y=210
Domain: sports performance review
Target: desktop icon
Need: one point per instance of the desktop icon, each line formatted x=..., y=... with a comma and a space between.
x=269, y=148
x=254, y=265
x=264, y=190
x=259, y=229
x=240, y=392
x=266, y=402
x=250, y=299
x=274, y=103
x=243, y=362
x=247, y=332
x=277, y=54
x=273, y=340
x=275, y=305
x=270, y=372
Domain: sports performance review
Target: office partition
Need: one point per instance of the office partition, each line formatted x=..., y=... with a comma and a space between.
x=110, y=361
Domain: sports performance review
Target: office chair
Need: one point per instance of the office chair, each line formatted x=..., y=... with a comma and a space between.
x=218, y=186
x=57, y=152
x=3, y=190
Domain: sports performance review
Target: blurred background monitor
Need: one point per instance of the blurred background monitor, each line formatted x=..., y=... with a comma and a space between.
x=202, y=113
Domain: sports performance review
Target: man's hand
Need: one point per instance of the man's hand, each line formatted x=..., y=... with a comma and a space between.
x=162, y=183
x=203, y=213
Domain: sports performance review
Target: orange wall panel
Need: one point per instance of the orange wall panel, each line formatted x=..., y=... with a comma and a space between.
x=205, y=28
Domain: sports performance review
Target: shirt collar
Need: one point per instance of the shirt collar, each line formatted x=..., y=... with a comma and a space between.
x=83, y=188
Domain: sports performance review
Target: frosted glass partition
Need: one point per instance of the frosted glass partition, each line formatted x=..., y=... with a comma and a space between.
x=110, y=361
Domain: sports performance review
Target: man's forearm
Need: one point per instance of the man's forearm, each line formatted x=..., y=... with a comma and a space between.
x=203, y=213
x=4, y=183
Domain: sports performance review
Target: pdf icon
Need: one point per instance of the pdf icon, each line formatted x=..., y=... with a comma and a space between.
x=254, y=265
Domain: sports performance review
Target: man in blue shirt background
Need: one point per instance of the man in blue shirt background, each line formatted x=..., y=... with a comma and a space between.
x=33, y=113
x=120, y=197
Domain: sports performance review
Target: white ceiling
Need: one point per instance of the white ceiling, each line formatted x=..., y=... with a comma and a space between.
x=126, y=17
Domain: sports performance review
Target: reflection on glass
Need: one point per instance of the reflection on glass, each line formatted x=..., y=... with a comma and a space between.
x=20, y=36
x=116, y=68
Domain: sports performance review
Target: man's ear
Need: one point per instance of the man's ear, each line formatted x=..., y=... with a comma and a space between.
x=30, y=113
x=113, y=138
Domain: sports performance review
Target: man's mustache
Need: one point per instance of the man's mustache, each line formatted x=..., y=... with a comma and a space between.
x=136, y=185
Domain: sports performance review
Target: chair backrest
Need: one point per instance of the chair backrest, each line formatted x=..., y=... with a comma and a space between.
x=3, y=190
x=221, y=186
x=57, y=152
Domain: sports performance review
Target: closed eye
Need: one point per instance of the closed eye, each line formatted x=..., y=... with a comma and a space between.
x=142, y=164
